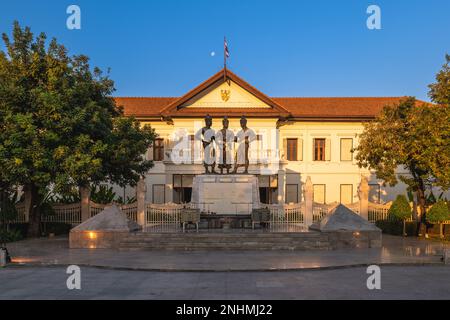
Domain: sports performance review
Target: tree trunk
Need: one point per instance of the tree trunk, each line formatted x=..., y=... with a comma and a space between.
x=422, y=227
x=404, y=227
x=415, y=214
x=34, y=224
x=441, y=234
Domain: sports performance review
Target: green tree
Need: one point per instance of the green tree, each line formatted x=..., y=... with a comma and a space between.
x=439, y=213
x=400, y=210
x=59, y=125
x=413, y=136
x=8, y=211
x=440, y=90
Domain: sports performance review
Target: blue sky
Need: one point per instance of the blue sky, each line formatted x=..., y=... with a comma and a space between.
x=284, y=48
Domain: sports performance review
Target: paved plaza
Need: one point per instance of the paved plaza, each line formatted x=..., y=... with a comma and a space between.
x=39, y=268
x=415, y=282
x=395, y=250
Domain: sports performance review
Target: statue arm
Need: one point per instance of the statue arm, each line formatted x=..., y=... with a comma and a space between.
x=198, y=135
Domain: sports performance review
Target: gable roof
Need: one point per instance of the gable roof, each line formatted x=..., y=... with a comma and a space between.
x=175, y=107
x=321, y=108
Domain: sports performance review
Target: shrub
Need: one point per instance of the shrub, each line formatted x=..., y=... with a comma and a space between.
x=400, y=210
x=396, y=227
x=103, y=194
x=57, y=228
x=438, y=214
x=10, y=235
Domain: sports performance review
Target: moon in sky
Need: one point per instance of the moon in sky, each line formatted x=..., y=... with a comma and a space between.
x=213, y=53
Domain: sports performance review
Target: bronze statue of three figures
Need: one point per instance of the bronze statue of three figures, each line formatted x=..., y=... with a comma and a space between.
x=224, y=141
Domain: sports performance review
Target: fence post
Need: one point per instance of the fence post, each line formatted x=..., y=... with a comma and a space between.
x=308, y=198
x=364, y=198
x=281, y=186
x=85, y=194
x=141, y=189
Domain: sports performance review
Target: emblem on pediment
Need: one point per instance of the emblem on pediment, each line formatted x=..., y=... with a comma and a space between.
x=225, y=94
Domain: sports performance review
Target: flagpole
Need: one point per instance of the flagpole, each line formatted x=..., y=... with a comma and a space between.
x=224, y=59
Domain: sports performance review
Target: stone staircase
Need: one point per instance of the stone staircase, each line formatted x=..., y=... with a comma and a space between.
x=225, y=241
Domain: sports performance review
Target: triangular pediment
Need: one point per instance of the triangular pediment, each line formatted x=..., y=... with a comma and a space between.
x=225, y=95
x=225, y=91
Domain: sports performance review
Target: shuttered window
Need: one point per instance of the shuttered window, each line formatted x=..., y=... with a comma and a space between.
x=319, y=149
x=292, y=193
x=346, y=193
x=158, y=150
x=346, y=149
x=319, y=193
x=291, y=149
x=158, y=195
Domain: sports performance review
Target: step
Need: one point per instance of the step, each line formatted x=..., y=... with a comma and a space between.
x=225, y=241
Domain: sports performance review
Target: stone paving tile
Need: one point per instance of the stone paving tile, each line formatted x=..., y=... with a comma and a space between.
x=394, y=250
x=397, y=282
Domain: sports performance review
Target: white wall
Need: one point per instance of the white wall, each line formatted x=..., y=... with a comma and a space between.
x=332, y=173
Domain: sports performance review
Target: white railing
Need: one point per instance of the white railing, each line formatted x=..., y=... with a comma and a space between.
x=71, y=213
x=355, y=206
x=96, y=208
x=378, y=211
x=286, y=216
x=65, y=213
x=320, y=210
x=130, y=210
x=163, y=215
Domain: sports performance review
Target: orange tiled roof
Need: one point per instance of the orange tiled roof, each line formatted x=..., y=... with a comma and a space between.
x=335, y=107
x=298, y=107
x=143, y=106
x=281, y=107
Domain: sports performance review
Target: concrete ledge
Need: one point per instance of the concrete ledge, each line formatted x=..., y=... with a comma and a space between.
x=227, y=268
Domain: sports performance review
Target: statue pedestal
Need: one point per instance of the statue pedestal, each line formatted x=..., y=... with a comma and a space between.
x=226, y=194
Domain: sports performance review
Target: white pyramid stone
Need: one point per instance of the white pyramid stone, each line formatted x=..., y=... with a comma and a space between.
x=342, y=218
x=110, y=219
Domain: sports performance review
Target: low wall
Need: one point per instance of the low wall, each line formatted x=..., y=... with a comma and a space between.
x=353, y=239
x=96, y=239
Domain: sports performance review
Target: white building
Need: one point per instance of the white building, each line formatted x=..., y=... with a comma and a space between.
x=296, y=137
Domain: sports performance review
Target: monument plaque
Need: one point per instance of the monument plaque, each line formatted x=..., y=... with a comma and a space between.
x=237, y=194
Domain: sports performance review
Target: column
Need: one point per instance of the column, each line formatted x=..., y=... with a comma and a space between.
x=308, y=202
x=363, y=194
x=85, y=194
x=141, y=190
x=281, y=186
x=169, y=188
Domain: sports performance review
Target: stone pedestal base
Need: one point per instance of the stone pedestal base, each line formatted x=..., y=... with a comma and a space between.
x=447, y=256
x=96, y=239
x=226, y=194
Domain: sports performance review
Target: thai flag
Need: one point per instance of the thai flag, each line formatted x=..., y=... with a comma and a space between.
x=225, y=47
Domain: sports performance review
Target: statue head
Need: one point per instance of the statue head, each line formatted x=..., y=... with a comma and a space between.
x=243, y=122
x=225, y=122
x=208, y=121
